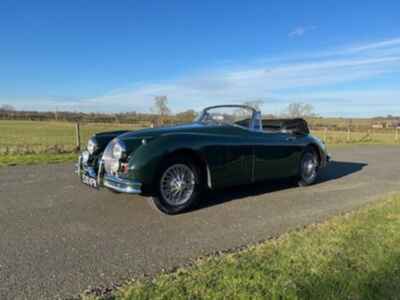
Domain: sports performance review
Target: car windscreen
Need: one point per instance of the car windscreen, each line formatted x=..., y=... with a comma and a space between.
x=239, y=116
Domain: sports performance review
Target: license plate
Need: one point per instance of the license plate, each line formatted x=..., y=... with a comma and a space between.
x=90, y=181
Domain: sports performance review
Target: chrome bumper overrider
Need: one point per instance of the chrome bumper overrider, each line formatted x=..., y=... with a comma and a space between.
x=122, y=185
x=112, y=182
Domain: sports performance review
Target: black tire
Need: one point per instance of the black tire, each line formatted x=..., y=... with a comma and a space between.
x=308, y=168
x=160, y=200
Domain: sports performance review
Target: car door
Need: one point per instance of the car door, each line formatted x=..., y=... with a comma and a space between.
x=230, y=158
x=276, y=155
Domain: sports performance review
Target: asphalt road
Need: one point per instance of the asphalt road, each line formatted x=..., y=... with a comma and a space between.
x=58, y=237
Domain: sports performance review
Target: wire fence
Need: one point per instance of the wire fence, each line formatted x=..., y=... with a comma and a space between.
x=52, y=137
x=33, y=137
x=350, y=136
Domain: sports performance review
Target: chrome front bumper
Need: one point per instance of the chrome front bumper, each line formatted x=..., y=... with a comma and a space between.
x=111, y=182
x=122, y=185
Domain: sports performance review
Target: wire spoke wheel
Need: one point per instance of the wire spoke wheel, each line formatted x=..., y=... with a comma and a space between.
x=309, y=167
x=177, y=184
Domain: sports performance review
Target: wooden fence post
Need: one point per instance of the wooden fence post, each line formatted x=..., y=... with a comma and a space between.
x=326, y=134
x=78, y=136
x=348, y=134
x=396, y=137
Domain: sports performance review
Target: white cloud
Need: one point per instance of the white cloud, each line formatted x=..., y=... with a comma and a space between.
x=278, y=81
x=377, y=45
x=300, y=31
x=352, y=103
x=264, y=82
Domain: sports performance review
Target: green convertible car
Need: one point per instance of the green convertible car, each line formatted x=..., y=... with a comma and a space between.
x=224, y=146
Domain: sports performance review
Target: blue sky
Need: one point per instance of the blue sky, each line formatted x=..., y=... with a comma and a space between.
x=343, y=57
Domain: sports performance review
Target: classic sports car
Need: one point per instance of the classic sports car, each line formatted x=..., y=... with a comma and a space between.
x=224, y=146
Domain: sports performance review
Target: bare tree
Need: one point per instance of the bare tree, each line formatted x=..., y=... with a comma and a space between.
x=256, y=104
x=160, y=107
x=7, y=108
x=300, y=110
x=186, y=116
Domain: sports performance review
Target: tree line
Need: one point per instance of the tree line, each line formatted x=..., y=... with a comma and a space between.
x=159, y=115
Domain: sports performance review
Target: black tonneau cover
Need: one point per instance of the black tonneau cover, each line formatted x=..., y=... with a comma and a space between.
x=296, y=126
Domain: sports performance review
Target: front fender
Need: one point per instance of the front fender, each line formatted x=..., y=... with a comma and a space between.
x=144, y=163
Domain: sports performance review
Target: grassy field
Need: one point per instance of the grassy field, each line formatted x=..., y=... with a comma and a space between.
x=354, y=256
x=372, y=137
x=20, y=141
x=30, y=137
x=34, y=159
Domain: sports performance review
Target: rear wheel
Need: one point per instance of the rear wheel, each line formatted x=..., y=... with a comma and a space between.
x=309, y=166
x=178, y=186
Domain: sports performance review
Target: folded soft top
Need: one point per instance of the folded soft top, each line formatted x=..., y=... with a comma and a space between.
x=297, y=126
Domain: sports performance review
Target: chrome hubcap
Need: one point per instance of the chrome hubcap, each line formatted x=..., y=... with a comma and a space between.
x=309, y=167
x=177, y=184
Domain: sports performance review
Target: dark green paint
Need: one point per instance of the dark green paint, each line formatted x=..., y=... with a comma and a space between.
x=233, y=155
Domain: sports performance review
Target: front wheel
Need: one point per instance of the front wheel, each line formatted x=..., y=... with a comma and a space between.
x=309, y=166
x=178, y=186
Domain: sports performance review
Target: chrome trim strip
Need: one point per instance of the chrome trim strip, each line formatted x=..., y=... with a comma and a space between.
x=100, y=173
x=122, y=185
x=209, y=181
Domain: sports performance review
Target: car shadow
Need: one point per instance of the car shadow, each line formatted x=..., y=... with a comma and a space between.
x=339, y=169
x=335, y=170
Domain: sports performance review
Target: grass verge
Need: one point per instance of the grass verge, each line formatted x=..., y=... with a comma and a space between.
x=355, y=256
x=32, y=159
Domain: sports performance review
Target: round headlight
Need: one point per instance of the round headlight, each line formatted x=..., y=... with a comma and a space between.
x=85, y=157
x=92, y=146
x=115, y=165
x=119, y=150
